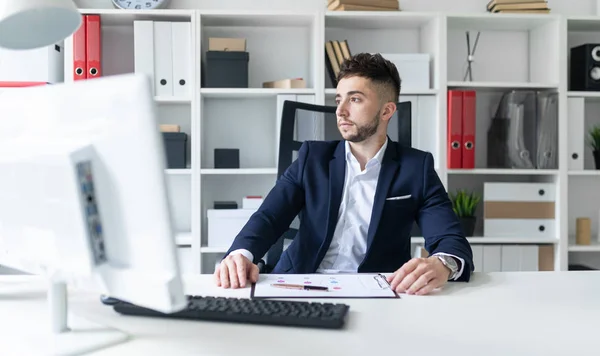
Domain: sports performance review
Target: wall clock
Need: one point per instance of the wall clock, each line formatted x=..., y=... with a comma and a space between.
x=140, y=4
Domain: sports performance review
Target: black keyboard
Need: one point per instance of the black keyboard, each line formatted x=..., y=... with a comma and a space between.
x=251, y=311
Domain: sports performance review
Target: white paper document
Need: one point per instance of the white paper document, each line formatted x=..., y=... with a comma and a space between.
x=361, y=285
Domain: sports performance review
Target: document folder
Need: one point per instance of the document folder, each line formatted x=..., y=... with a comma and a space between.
x=93, y=46
x=524, y=131
x=79, y=52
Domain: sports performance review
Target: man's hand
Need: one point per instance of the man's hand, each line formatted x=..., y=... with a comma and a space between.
x=419, y=276
x=235, y=271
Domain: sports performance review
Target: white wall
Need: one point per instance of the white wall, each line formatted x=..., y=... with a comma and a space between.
x=566, y=7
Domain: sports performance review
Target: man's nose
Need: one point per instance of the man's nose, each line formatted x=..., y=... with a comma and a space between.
x=341, y=109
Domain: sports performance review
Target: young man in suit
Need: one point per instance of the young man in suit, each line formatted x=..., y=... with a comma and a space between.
x=359, y=198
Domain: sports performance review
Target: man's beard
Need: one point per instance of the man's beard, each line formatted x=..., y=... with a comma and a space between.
x=365, y=131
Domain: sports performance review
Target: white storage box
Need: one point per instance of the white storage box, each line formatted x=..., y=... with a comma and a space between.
x=252, y=202
x=35, y=65
x=413, y=69
x=520, y=228
x=519, y=210
x=225, y=224
x=512, y=192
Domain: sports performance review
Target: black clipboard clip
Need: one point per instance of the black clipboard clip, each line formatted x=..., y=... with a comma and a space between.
x=382, y=281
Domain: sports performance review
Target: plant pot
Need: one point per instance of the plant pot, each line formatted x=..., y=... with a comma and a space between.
x=597, y=158
x=468, y=224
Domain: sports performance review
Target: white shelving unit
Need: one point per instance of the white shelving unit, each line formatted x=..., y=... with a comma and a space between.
x=583, y=180
x=117, y=53
x=515, y=51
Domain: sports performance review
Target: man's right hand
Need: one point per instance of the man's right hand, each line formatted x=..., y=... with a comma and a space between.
x=235, y=271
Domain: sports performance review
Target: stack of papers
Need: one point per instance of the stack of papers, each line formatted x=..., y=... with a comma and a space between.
x=361, y=285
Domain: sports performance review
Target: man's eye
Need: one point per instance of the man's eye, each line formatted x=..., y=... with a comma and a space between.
x=355, y=99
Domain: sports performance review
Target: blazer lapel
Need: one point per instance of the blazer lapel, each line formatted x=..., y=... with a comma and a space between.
x=337, y=174
x=389, y=167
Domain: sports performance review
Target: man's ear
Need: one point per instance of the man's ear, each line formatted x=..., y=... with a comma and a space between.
x=388, y=110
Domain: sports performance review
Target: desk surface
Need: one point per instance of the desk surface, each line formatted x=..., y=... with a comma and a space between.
x=521, y=313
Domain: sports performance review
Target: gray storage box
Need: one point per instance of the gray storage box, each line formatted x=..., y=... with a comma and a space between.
x=175, y=147
x=226, y=69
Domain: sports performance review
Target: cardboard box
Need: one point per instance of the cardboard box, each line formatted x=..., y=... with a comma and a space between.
x=169, y=128
x=227, y=44
x=286, y=84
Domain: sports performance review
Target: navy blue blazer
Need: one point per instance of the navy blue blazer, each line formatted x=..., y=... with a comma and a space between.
x=313, y=185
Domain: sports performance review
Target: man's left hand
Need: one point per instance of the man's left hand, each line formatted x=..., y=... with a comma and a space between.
x=420, y=276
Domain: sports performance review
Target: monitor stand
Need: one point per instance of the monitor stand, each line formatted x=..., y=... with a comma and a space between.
x=64, y=334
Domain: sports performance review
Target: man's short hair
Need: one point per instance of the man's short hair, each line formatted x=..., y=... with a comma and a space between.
x=379, y=70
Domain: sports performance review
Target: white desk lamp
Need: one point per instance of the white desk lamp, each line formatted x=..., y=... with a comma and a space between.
x=29, y=24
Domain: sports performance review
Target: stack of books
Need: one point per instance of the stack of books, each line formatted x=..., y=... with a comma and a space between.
x=518, y=6
x=336, y=52
x=363, y=5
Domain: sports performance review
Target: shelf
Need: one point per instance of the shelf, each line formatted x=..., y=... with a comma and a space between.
x=585, y=173
x=172, y=100
x=500, y=171
x=374, y=20
x=219, y=18
x=499, y=85
x=498, y=240
x=213, y=249
x=332, y=92
x=584, y=94
x=235, y=171
x=499, y=21
x=118, y=17
x=178, y=171
x=231, y=93
x=593, y=247
x=583, y=23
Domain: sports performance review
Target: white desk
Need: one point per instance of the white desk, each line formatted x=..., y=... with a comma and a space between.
x=539, y=313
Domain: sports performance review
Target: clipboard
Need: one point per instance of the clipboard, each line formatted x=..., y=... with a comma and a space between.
x=354, y=285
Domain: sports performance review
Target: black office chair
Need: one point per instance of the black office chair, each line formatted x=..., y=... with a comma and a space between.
x=302, y=122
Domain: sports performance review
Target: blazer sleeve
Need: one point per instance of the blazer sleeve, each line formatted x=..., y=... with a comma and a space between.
x=275, y=215
x=438, y=222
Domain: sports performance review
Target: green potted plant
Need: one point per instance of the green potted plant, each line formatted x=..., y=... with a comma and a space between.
x=594, y=142
x=464, y=205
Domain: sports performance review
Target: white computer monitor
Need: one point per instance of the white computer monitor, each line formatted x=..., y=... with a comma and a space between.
x=83, y=199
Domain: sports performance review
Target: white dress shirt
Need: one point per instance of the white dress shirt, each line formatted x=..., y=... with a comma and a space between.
x=349, y=243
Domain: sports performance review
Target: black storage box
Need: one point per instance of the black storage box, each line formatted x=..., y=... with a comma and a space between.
x=175, y=147
x=227, y=158
x=225, y=205
x=226, y=69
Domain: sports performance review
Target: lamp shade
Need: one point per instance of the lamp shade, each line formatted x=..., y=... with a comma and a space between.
x=29, y=24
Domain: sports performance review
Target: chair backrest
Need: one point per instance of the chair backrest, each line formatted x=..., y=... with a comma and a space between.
x=302, y=122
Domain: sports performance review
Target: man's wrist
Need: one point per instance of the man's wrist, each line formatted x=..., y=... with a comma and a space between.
x=244, y=253
x=450, y=271
x=452, y=264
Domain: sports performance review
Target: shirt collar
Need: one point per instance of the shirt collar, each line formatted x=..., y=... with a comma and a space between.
x=378, y=158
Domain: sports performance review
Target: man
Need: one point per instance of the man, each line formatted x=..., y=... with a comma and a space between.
x=359, y=198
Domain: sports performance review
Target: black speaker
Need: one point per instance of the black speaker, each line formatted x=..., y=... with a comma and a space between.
x=585, y=67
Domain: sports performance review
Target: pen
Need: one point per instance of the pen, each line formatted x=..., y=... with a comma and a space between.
x=299, y=286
